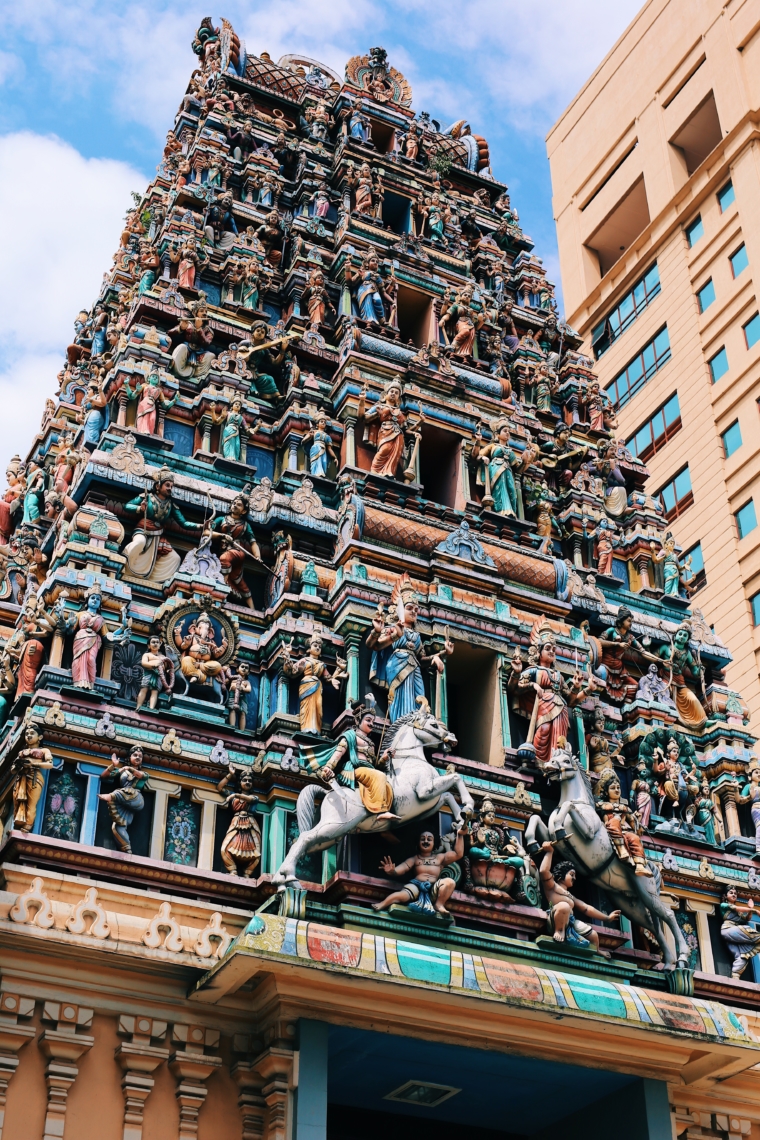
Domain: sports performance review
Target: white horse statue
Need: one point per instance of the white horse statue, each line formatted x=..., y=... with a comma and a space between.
x=418, y=791
x=580, y=836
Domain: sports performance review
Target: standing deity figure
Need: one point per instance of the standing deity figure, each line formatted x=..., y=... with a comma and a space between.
x=88, y=638
x=641, y=788
x=311, y=671
x=200, y=651
x=238, y=692
x=550, y=717
x=238, y=542
x=366, y=286
x=750, y=794
x=707, y=812
x=320, y=200
x=497, y=462
x=600, y=757
x=737, y=931
x=429, y=890
x=251, y=284
x=606, y=536
x=34, y=492
x=29, y=768
x=127, y=799
x=358, y=125
x=318, y=445
x=352, y=762
x=465, y=320
x=157, y=674
x=151, y=399
x=671, y=568
x=398, y=656
x=558, y=883
x=351, y=513
x=234, y=432
x=546, y=386
x=362, y=185
x=317, y=299
x=682, y=664
x=388, y=436
x=24, y=650
x=148, y=554
x=241, y=846
x=93, y=414
x=12, y=499
x=620, y=822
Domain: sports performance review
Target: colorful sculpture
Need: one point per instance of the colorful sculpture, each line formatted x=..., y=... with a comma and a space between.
x=127, y=799
x=311, y=671
x=241, y=847
x=29, y=765
x=429, y=890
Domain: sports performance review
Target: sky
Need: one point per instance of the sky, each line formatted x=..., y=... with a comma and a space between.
x=88, y=91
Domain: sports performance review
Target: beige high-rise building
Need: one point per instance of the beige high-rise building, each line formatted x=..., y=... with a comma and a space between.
x=656, y=178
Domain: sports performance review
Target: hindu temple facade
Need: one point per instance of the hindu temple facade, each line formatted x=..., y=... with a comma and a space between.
x=364, y=764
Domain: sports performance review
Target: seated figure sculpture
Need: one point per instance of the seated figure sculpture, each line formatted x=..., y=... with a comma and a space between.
x=200, y=650
x=429, y=891
x=564, y=906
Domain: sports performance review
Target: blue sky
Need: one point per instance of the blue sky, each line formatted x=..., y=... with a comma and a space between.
x=88, y=91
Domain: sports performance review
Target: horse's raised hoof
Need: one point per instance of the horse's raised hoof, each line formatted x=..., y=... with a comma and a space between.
x=533, y=847
x=560, y=833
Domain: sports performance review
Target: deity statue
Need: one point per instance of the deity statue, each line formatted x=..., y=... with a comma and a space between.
x=34, y=492
x=192, y=359
x=200, y=650
x=221, y=227
x=235, y=430
x=238, y=692
x=682, y=664
x=359, y=125
x=707, y=812
x=497, y=462
x=317, y=299
x=750, y=794
x=265, y=357
x=12, y=499
x=320, y=201
x=741, y=937
x=641, y=788
x=619, y=643
x=318, y=445
x=564, y=906
x=311, y=671
x=351, y=513
x=653, y=688
x=546, y=386
x=550, y=718
x=560, y=453
x=389, y=438
x=600, y=757
x=368, y=289
x=29, y=767
x=270, y=234
x=151, y=398
x=88, y=638
x=363, y=187
x=429, y=890
x=93, y=414
x=241, y=846
x=352, y=762
x=157, y=674
x=671, y=568
x=465, y=320
x=494, y=858
x=606, y=536
x=251, y=284
x=242, y=141
x=621, y=823
x=148, y=554
x=127, y=799
x=238, y=542
x=24, y=650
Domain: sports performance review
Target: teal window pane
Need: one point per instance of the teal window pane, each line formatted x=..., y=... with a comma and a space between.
x=671, y=411
x=642, y=439
x=697, y=561
x=682, y=484
x=648, y=355
x=726, y=196
x=668, y=496
x=739, y=260
x=635, y=370
x=695, y=231
x=706, y=296
x=752, y=330
x=652, y=279
x=662, y=343
x=718, y=365
x=732, y=439
x=755, y=603
x=746, y=519
x=626, y=307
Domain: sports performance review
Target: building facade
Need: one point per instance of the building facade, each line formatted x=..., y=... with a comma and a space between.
x=364, y=766
x=654, y=172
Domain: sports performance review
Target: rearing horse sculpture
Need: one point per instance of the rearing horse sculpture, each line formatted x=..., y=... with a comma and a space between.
x=418, y=791
x=580, y=835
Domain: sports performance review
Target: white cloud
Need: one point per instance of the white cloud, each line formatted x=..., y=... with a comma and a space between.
x=60, y=217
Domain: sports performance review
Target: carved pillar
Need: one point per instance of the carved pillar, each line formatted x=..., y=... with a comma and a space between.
x=642, y=560
x=352, y=642
x=56, y=649
x=13, y=1037
x=192, y=1067
x=163, y=789
x=504, y=670
x=205, y=424
x=210, y=802
x=250, y=1101
x=283, y=692
x=293, y=441
x=121, y=401
x=729, y=794
x=701, y=910
x=275, y=1067
x=139, y=1058
x=63, y=1046
x=350, y=442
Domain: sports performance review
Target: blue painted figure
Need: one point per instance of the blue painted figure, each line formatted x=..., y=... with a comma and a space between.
x=319, y=447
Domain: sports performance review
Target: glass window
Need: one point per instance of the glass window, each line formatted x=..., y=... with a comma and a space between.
x=706, y=296
x=634, y=376
x=695, y=231
x=676, y=496
x=752, y=330
x=718, y=365
x=746, y=519
x=726, y=196
x=732, y=439
x=615, y=323
x=739, y=260
x=755, y=603
x=652, y=435
x=694, y=569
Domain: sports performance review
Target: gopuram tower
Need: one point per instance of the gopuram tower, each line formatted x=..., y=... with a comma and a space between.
x=366, y=762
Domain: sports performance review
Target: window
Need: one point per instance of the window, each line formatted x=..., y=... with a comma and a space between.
x=752, y=331
x=732, y=439
x=706, y=296
x=739, y=260
x=621, y=227
x=657, y=430
x=642, y=368
x=746, y=519
x=755, y=603
x=676, y=495
x=694, y=569
x=695, y=231
x=615, y=323
x=718, y=365
x=726, y=196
